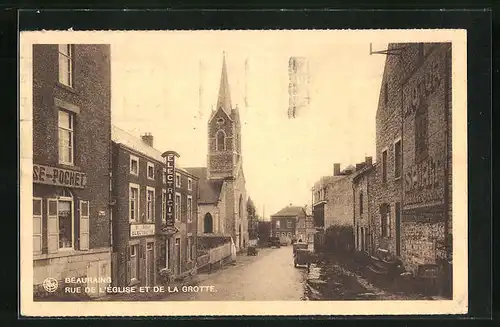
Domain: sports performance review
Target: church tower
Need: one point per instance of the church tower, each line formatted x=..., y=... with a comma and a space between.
x=224, y=134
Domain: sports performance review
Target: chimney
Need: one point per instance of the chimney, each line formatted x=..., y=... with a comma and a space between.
x=368, y=160
x=336, y=169
x=148, y=139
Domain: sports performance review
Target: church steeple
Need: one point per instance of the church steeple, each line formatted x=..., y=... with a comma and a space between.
x=224, y=99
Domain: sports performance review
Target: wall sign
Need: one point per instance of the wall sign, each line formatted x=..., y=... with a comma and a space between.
x=169, y=226
x=424, y=182
x=142, y=230
x=58, y=176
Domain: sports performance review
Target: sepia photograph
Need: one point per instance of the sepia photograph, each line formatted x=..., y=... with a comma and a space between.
x=243, y=172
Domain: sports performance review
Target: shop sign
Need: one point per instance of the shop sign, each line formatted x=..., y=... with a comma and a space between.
x=423, y=85
x=58, y=176
x=423, y=182
x=142, y=230
x=169, y=226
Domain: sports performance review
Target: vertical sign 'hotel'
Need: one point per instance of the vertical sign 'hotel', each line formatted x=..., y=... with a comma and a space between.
x=170, y=203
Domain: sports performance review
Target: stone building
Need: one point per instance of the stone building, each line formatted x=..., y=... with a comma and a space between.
x=363, y=207
x=333, y=199
x=222, y=194
x=141, y=195
x=71, y=165
x=413, y=174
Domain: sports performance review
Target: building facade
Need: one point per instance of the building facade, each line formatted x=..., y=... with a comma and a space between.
x=142, y=191
x=413, y=177
x=71, y=164
x=333, y=199
x=287, y=223
x=363, y=208
x=222, y=196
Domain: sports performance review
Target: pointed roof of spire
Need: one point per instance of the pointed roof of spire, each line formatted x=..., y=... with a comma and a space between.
x=224, y=99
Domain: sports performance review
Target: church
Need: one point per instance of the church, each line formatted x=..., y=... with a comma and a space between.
x=222, y=194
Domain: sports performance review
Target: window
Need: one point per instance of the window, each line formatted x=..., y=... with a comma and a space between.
x=189, y=249
x=134, y=165
x=220, y=142
x=189, y=208
x=190, y=184
x=178, y=180
x=277, y=224
x=385, y=216
x=151, y=171
x=66, y=64
x=386, y=93
x=65, y=216
x=150, y=204
x=397, y=159
x=357, y=237
x=288, y=224
x=361, y=203
x=163, y=205
x=134, y=203
x=66, y=137
x=164, y=176
x=167, y=253
x=133, y=262
x=384, y=166
x=37, y=225
x=177, y=207
x=421, y=130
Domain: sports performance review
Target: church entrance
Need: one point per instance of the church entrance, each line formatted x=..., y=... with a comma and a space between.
x=208, y=223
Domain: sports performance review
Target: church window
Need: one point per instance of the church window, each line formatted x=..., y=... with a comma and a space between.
x=220, y=141
x=208, y=223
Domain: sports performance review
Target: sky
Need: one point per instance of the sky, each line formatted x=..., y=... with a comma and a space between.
x=167, y=84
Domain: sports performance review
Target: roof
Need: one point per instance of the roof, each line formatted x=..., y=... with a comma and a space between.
x=209, y=190
x=289, y=211
x=119, y=136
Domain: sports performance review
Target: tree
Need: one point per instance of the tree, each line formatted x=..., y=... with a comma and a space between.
x=251, y=208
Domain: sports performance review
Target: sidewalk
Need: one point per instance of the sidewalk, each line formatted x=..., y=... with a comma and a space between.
x=334, y=278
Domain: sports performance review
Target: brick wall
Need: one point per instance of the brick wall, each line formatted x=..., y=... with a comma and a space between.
x=92, y=127
x=220, y=162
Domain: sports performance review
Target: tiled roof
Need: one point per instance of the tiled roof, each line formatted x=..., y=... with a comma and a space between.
x=209, y=190
x=290, y=211
x=120, y=136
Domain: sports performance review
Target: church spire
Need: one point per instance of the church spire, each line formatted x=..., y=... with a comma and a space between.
x=224, y=99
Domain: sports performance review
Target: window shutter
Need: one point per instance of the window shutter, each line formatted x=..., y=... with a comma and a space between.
x=37, y=226
x=128, y=264
x=52, y=226
x=84, y=225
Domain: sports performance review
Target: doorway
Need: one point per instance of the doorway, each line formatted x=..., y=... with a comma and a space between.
x=178, y=256
x=398, y=228
x=150, y=264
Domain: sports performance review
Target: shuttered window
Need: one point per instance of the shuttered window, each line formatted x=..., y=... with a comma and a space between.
x=52, y=226
x=84, y=225
x=37, y=225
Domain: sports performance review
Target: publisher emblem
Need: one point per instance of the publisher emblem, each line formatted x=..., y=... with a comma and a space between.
x=50, y=284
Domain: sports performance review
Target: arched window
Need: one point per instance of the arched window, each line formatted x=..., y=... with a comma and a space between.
x=240, y=207
x=361, y=203
x=220, y=141
x=208, y=223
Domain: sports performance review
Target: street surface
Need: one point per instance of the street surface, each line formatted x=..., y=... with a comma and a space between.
x=266, y=277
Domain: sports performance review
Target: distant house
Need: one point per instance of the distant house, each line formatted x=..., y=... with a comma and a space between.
x=286, y=221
